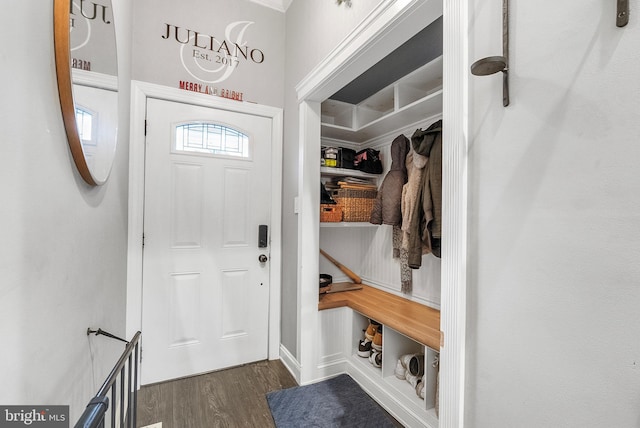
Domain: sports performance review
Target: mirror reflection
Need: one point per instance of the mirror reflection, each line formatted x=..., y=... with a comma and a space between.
x=91, y=110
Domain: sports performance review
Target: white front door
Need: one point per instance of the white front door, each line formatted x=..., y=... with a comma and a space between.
x=205, y=300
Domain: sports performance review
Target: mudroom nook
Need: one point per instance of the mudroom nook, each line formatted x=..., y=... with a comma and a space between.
x=369, y=112
x=276, y=213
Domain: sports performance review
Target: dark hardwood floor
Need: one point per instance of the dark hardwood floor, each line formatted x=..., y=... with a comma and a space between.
x=233, y=397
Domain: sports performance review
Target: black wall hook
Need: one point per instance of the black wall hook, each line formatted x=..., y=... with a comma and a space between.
x=622, y=14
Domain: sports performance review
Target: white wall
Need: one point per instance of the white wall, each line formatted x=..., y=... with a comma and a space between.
x=165, y=61
x=313, y=30
x=63, y=250
x=554, y=271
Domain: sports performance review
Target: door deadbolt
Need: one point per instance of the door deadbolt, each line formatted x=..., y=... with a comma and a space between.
x=262, y=258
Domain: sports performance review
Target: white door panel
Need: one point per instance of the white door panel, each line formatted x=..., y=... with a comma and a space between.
x=205, y=295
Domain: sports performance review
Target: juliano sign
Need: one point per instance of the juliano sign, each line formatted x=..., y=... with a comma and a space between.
x=212, y=60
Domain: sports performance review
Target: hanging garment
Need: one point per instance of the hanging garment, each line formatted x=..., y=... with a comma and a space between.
x=387, y=207
x=431, y=227
x=411, y=193
x=422, y=223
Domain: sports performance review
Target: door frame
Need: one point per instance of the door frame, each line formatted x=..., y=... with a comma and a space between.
x=140, y=92
x=379, y=34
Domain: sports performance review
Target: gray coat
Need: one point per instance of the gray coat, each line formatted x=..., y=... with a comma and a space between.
x=426, y=221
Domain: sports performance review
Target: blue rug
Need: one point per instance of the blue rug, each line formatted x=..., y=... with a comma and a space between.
x=336, y=402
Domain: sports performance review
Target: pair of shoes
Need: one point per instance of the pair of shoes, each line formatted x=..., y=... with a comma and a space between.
x=364, y=348
x=412, y=363
x=376, y=358
x=371, y=330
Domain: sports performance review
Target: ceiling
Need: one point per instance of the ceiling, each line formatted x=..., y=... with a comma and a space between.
x=279, y=5
x=414, y=53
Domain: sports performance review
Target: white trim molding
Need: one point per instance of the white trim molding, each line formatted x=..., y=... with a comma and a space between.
x=453, y=312
x=140, y=92
x=380, y=33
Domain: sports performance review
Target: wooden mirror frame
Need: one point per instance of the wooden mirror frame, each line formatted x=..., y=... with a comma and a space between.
x=62, y=44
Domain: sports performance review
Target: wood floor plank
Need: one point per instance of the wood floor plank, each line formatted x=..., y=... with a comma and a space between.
x=188, y=410
x=233, y=397
x=152, y=405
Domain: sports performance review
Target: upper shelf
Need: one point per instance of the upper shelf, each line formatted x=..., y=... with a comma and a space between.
x=414, y=97
x=329, y=171
x=347, y=224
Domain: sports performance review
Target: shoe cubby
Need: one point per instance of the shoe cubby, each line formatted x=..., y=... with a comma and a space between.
x=397, y=345
x=360, y=324
x=394, y=346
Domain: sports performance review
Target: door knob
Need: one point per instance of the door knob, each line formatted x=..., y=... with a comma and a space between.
x=262, y=258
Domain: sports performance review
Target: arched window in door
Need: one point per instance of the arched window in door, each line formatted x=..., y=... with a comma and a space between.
x=211, y=139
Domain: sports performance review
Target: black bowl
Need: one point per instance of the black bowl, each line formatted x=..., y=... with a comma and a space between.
x=325, y=280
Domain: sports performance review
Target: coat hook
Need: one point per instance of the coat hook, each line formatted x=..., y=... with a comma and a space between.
x=622, y=14
x=493, y=64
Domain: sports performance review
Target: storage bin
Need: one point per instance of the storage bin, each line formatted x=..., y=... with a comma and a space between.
x=330, y=213
x=329, y=156
x=356, y=204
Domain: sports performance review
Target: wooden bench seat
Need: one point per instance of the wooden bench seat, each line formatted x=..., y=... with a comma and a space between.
x=414, y=320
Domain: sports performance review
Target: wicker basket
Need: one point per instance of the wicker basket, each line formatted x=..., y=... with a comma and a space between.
x=330, y=213
x=356, y=204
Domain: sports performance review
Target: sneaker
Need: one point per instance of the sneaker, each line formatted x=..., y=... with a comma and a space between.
x=420, y=388
x=364, y=348
x=375, y=358
x=413, y=380
x=371, y=330
x=404, y=360
x=400, y=371
x=377, y=340
x=416, y=365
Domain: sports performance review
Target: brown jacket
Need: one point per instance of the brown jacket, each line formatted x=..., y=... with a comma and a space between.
x=386, y=208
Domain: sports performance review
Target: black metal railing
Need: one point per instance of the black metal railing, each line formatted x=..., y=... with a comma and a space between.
x=124, y=401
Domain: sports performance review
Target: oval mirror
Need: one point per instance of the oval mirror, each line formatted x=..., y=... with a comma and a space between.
x=87, y=71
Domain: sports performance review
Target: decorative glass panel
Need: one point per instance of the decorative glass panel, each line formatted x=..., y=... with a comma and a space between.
x=210, y=138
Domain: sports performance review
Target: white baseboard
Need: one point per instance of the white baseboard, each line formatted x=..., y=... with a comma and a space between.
x=290, y=363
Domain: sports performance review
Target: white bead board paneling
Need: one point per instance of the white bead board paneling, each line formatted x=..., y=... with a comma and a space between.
x=384, y=271
x=333, y=348
x=368, y=251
